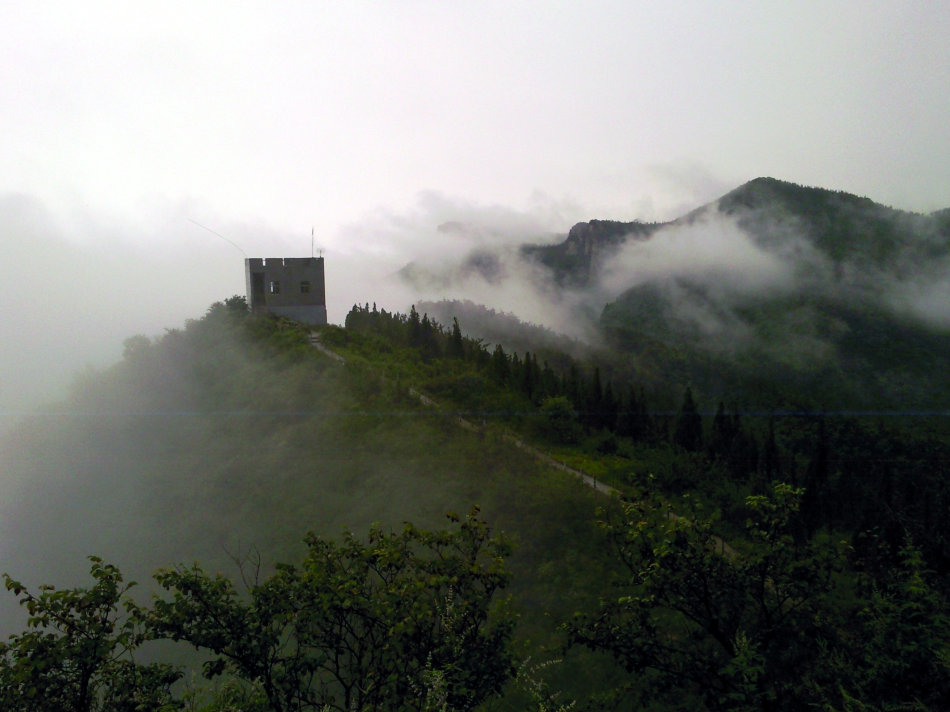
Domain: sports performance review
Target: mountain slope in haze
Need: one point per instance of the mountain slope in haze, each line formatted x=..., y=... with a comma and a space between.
x=774, y=294
x=848, y=308
x=493, y=327
x=234, y=435
x=845, y=227
x=589, y=245
x=231, y=435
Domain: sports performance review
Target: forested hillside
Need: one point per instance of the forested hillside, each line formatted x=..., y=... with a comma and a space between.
x=845, y=308
x=235, y=434
x=401, y=513
x=784, y=562
x=775, y=296
x=829, y=518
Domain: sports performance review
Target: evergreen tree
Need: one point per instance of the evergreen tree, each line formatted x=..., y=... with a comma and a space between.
x=723, y=433
x=572, y=388
x=689, y=425
x=770, y=460
x=429, y=339
x=608, y=408
x=593, y=400
x=528, y=378
x=549, y=383
x=816, y=476
x=415, y=328
x=633, y=420
x=516, y=372
x=456, y=345
x=500, y=366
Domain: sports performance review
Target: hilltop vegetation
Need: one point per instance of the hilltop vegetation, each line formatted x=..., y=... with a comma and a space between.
x=778, y=539
x=854, y=480
x=235, y=433
x=803, y=604
x=848, y=319
x=775, y=296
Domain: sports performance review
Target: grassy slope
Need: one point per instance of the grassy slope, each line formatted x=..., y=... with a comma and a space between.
x=208, y=442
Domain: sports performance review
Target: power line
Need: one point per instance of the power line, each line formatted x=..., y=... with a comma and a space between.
x=230, y=242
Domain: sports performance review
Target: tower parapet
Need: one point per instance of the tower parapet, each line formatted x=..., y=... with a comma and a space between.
x=288, y=286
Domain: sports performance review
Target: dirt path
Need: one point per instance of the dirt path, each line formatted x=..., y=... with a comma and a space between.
x=716, y=542
x=521, y=445
x=472, y=427
x=315, y=342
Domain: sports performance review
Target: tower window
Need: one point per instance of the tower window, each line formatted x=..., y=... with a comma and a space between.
x=274, y=287
x=305, y=287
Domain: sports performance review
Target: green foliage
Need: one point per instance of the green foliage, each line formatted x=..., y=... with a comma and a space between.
x=559, y=420
x=542, y=697
x=249, y=432
x=738, y=628
x=135, y=346
x=78, y=652
x=357, y=625
x=900, y=657
x=456, y=344
x=225, y=432
x=496, y=383
x=689, y=425
x=231, y=695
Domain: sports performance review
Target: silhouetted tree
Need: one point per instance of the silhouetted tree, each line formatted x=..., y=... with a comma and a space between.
x=415, y=328
x=689, y=425
x=500, y=366
x=456, y=345
x=608, y=408
x=429, y=339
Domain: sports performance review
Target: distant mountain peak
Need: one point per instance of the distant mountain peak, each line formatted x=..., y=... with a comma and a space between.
x=770, y=191
x=575, y=260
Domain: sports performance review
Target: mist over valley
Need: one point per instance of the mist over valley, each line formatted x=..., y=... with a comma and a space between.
x=518, y=368
x=474, y=356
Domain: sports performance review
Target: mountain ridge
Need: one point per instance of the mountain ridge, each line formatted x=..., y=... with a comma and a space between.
x=820, y=208
x=773, y=278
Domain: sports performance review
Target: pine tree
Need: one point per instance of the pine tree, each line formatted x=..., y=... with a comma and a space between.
x=456, y=345
x=528, y=378
x=608, y=408
x=770, y=462
x=415, y=328
x=500, y=366
x=689, y=425
x=593, y=400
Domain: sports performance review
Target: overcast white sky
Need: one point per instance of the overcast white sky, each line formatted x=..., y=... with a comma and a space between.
x=373, y=121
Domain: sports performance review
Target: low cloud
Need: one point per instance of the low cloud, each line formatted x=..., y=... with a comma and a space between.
x=460, y=250
x=74, y=285
x=679, y=186
x=925, y=297
x=712, y=250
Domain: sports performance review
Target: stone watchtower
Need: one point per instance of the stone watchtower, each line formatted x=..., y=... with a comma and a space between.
x=287, y=286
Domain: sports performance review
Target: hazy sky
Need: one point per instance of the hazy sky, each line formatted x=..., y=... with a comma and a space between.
x=120, y=123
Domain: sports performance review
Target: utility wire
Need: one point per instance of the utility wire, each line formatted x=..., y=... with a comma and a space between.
x=230, y=242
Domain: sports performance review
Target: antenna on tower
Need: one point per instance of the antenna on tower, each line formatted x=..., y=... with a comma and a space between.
x=312, y=248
